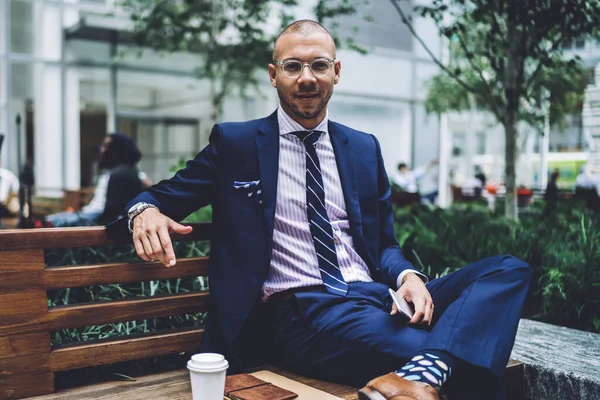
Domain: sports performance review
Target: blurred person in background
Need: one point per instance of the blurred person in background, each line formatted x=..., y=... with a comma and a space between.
x=406, y=180
x=480, y=176
x=9, y=193
x=118, y=183
x=551, y=195
x=587, y=188
x=584, y=180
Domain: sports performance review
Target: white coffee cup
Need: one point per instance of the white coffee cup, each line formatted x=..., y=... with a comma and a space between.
x=207, y=375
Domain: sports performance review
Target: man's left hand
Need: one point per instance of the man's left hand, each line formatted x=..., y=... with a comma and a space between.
x=414, y=291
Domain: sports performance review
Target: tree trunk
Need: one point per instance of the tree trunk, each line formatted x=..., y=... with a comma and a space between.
x=510, y=115
x=510, y=170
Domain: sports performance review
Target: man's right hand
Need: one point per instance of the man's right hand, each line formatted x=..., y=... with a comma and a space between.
x=151, y=236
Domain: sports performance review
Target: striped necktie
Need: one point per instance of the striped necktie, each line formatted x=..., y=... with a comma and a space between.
x=320, y=227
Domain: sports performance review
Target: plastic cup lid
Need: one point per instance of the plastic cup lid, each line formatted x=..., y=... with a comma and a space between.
x=208, y=362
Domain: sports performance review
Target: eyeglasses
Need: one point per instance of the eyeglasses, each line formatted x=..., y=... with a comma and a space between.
x=294, y=68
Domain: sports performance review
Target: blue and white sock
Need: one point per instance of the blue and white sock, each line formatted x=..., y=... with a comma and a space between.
x=430, y=367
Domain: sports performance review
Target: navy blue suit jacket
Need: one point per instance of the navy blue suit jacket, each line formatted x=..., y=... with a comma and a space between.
x=242, y=237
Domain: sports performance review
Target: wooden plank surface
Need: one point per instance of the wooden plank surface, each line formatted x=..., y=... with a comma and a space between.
x=126, y=310
x=20, y=345
x=88, y=355
x=32, y=303
x=48, y=238
x=104, y=312
x=170, y=385
x=21, y=270
x=91, y=275
x=173, y=386
x=22, y=386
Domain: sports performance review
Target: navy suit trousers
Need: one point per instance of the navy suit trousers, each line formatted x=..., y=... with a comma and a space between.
x=353, y=339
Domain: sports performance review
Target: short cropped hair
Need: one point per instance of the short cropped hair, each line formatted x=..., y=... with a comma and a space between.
x=303, y=27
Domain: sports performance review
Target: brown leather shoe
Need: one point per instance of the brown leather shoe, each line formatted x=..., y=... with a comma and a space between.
x=393, y=387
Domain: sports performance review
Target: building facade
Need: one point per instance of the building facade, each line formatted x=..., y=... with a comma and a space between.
x=69, y=75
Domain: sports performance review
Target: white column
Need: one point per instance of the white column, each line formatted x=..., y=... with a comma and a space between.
x=444, y=198
x=545, y=148
x=72, y=134
x=444, y=195
x=471, y=139
x=6, y=159
x=47, y=102
x=545, y=142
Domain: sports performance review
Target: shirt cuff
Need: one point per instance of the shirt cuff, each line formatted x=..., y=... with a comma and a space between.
x=406, y=271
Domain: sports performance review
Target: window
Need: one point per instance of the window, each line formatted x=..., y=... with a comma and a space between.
x=378, y=24
x=458, y=144
x=480, y=143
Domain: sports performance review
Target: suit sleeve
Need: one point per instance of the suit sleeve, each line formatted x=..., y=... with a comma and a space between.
x=391, y=259
x=190, y=188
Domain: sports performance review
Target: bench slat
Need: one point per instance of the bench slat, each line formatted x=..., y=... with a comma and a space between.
x=126, y=310
x=49, y=238
x=25, y=385
x=106, y=312
x=21, y=270
x=15, y=346
x=88, y=355
x=91, y=275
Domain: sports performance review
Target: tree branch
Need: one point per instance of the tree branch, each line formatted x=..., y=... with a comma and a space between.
x=433, y=57
x=538, y=69
x=495, y=26
x=492, y=101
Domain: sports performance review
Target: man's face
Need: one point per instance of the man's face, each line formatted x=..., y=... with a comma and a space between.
x=305, y=98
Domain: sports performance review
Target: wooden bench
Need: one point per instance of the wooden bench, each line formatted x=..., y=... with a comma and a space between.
x=28, y=362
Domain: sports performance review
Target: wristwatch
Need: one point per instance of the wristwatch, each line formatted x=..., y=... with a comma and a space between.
x=135, y=210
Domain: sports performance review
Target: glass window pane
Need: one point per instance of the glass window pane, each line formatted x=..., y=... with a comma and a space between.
x=150, y=138
x=385, y=30
x=458, y=144
x=35, y=29
x=182, y=139
x=480, y=143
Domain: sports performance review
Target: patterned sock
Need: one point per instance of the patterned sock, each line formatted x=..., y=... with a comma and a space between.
x=432, y=367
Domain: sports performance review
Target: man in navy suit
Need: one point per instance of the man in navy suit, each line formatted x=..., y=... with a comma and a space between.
x=303, y=238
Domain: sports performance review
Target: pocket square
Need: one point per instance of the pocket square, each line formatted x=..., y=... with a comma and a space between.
x=252, y=189
x=245, y=185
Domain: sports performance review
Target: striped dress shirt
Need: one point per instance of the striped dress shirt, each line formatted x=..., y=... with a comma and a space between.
x=294, y=259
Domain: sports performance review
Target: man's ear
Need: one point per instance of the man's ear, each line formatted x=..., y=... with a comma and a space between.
x=272, y=75
x=337, y=69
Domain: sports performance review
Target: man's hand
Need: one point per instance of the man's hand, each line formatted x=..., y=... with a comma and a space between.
x=151, y=231
x=414, y=291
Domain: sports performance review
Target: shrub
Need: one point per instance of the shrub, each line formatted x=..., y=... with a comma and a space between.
x=564, y=252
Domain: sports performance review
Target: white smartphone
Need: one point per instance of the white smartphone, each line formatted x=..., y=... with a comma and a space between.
x=401, y=304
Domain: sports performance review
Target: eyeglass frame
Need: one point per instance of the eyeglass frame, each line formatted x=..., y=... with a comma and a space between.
x=330, y=61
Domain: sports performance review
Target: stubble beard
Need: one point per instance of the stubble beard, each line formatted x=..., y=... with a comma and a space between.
x=296, y=110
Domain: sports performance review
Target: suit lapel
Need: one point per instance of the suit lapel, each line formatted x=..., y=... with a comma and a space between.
x=347, y=169
x=267, y=146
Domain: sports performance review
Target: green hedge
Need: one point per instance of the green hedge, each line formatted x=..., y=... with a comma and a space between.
x=564, y=252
